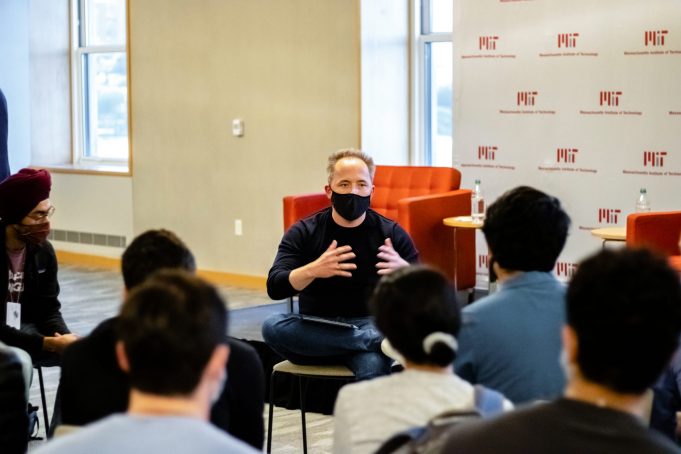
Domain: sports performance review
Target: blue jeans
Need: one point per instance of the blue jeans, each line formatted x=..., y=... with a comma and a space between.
x=304, y=342
x=26, y=365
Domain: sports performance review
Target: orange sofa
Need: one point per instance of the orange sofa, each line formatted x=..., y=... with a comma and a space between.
x=418, y=198
x=658, y=231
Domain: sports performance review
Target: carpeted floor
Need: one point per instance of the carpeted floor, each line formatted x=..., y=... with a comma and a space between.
x=90, y=295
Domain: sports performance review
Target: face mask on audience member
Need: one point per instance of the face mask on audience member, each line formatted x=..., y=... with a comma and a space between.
x=35, y=233
x=350, y=206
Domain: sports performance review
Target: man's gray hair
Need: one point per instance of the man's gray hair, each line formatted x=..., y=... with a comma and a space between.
x=350, y=153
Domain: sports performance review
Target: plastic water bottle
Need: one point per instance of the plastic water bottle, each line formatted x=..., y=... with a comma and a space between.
x=643, y=203
x=477, y=204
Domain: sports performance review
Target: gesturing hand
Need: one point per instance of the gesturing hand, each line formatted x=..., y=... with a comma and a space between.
x=331, y=262
x=390, y=259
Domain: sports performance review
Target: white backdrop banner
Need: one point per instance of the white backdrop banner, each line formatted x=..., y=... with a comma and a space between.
x=580, y=99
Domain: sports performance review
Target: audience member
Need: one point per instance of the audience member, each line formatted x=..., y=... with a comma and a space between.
x=33, y=320
x=13, y=401
x=171, y=343
x=667, y=390
x=334, y=259
x=416, y=309
x=667, y=400
x=510, y=340
x=93, y=385
x=623, y=325
x=4, y=124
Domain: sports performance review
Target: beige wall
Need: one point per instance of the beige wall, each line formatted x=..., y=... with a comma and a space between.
x=94, y=204
x=289, y=69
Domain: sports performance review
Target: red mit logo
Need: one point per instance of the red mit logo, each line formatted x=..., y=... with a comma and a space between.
x=483, y=261
x=654, y=158
x=608, y=215
x=526, y=98
x=487, y=42
x=565, y=269
x=654, y=37
x=566, y=155
x=610, y=98
x=486, y=153
x=567, y=39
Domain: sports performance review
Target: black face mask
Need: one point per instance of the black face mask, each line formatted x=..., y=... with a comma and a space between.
x=350, y=206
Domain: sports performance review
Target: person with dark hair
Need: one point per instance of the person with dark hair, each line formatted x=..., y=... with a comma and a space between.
x=667, y=400
x=510, y=340
x=172, y=344
x=416, y=309
x=623, y=325
x=333, y=259
x=93, y=386
x=152, y=251
x=168, y=330
x=28, y=274
x=4, y=125
x=667, y=390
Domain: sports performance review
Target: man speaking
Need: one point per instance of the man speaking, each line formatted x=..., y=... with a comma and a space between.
x=333, y=259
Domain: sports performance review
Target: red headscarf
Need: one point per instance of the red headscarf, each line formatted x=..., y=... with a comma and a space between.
x=21, y=192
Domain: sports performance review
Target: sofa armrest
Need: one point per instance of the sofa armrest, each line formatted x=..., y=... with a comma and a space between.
x=657, y=230
x=675, y=262
x=438, y=245
x=300, y=206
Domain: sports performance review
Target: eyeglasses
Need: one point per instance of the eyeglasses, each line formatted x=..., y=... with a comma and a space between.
x=38, y=215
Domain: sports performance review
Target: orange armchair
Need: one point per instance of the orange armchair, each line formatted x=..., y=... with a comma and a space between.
x=658, y=231
x=418, y=198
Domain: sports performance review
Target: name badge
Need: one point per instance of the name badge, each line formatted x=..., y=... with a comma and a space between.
x=13, y=315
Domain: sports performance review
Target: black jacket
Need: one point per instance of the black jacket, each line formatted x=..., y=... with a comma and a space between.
x=92, y=385
x=39, y=301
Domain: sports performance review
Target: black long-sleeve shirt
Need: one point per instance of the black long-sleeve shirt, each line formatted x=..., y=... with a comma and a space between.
x=336, y=296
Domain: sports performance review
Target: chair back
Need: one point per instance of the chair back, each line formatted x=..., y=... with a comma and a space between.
x=418, y=198
x=393, y=183
x=658, y=231
x=300, y=206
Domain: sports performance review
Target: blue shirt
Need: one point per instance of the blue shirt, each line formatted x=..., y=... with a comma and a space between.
x=136, y=434
x=510, y=341
x=667, y=399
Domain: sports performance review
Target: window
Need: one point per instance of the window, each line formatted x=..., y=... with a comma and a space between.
x=433, y=82
x=100, y=83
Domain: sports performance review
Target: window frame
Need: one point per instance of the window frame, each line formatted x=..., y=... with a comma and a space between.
x=421, y=68
x=79, y=110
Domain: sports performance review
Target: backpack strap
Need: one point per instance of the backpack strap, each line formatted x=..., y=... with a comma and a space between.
x=487, y=401
x=401, y=440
